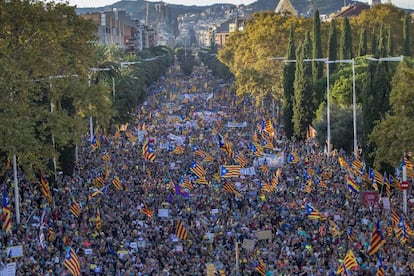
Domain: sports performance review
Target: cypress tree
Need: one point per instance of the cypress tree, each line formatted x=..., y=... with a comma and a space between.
x=381, y=49
x=368, y=106
x=317, y=67
x=332, y=45
x=376, y=103
x=303, y=110
x=390, y=43
x=288, y=89
x=406, y=36
x=374, y=44
x=346, y=40
x=363, y=44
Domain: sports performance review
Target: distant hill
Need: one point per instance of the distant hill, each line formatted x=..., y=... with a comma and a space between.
x=137, y=8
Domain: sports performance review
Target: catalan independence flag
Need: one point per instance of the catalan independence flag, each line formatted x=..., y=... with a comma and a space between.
x=227, y=171
x=350, y=234
x=380, y=271
x=148, y=152
x=45, y=188
x=199, y=152
x=260, y=267
x=356, y=163
x=226, y=148
x=208, y=158
x=229, y=187
x=181, y=232
x=349, y=262
x=377, y=239
x=401, y=231
x=72, y=262
x=201, y=180
x=75, y=208
x=265, y=167
x=312, y=213
x=117, y=183
x=256, y=150
x=242, y=160
x=186, y=184
x=146, y=211
x=178, y=150
x=293, y=158
x=197, y=169
x=101, y=191
x=6, y=211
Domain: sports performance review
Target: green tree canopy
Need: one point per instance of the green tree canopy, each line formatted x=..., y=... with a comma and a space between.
x=393, y=135
x=44, y=51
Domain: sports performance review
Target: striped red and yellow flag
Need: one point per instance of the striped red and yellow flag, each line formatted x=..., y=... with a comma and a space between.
x=117, y=183
x=147, y=211
x=181, y=232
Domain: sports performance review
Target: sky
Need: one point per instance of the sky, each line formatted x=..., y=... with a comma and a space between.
x=100, y=3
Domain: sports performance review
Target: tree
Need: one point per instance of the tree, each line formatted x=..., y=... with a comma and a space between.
x=43, y=45
x=341, y=126
x=363, y=43
x=288, y=86
x=317, y=67
x=332, y=45
x=406, y=35
x=393, y=135
x=186, y=59
x=266, y=35
x=346, y=40
x=390, y=43
x=374, y=43
x=382, y=47
x=375, y=102
x=388, y=15
x=303, y=110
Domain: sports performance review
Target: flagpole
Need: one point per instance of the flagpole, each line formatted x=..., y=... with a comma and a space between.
x=237, y=255
x=16, y=190
x=404, y=180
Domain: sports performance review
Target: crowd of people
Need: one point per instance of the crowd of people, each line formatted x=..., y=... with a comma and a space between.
x=260, y=226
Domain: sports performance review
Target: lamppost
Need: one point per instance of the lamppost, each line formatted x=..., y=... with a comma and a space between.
x=125, y=64
x=94, y=70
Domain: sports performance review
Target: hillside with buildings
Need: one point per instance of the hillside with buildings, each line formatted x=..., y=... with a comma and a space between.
x=139, y=24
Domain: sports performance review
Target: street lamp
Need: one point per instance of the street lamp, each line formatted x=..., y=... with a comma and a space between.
x=399, y=59
x=94, y=70
x=125, y=64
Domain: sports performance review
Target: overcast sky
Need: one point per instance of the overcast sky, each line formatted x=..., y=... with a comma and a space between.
x=100, y=3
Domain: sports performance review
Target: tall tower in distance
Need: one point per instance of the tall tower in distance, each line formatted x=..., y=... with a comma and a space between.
x=147, y=16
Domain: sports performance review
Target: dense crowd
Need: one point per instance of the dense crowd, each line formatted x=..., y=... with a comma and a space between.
x=224, y=228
